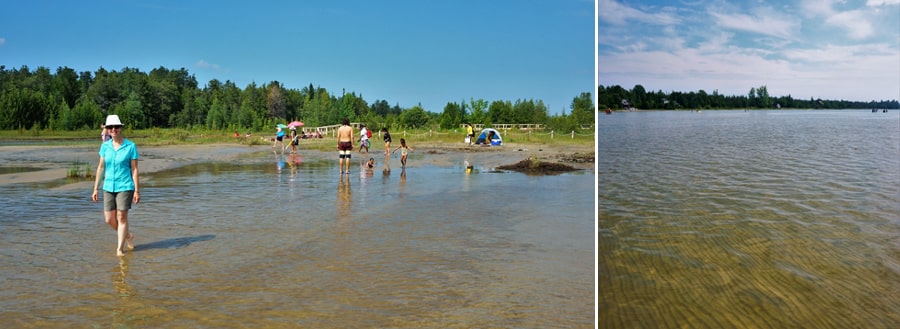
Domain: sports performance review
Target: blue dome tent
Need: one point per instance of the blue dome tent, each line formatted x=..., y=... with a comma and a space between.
x=495, y=140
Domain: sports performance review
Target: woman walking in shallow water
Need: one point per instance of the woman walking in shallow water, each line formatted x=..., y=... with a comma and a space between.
x=119, y=168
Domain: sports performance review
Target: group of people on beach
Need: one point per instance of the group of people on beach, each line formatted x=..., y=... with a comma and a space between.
x=279, y=138
x=470, y=136
x=345, y=140
x=118, y=171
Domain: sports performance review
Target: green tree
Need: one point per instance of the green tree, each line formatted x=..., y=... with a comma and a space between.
x=477, y=108
x=414, y=117
x=320, y=109
x=246, y=116
x=522, y=112
x=751, y=97
x=23, y=108
x=275, y=102
x=85, y=114
x=762, y=95
x=583, y=112
x=500, y=111
x=639, y=97
x=540, y=114
x=131, y=112
x=453, y=115
x=215, y=118
x=66, y=85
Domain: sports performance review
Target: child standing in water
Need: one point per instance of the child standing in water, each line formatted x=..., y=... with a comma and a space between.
x=387, y=140
x=404, y=150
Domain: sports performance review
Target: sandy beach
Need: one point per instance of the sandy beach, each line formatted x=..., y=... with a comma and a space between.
x=55, y=160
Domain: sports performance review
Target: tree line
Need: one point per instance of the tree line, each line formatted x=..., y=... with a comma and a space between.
x=615, y=97
x=166, y=98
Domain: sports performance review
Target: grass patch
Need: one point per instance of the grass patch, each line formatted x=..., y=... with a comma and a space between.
x=78, y=169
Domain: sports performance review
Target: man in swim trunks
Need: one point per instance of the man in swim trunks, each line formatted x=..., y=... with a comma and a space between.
x=345, y=146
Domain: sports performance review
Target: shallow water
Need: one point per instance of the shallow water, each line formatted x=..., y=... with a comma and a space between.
x=268, y=241
x=768, y=219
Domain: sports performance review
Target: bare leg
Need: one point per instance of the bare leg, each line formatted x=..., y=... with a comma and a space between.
x=110, y=217
x=122, y=217
x=113, y=222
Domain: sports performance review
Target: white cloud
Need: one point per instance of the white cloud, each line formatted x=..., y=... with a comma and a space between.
x=2, y=41
x=613, y=12
x=763, y=21
x=716, y=42
x=827, y=72
x=831, y=54
x=788, y=51
x=203, y=64
x=872, y=3
x=818, y=7
x=857, y=22
x=854, y=21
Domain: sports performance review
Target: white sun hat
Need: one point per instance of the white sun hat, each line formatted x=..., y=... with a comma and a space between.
x=113, y=120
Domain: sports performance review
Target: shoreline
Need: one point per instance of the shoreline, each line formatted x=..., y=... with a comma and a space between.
x=54, y=161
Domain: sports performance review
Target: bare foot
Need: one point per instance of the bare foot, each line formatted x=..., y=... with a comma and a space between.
x=120, y=253
x=130, y=241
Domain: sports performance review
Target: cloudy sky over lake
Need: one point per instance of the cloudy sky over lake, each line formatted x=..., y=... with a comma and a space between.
x=826, y=49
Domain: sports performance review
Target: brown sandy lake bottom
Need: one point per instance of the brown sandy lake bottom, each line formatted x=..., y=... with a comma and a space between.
x=761, y=219
x=273, y=241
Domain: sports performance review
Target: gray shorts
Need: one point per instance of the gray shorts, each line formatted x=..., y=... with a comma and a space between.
x=117, y=201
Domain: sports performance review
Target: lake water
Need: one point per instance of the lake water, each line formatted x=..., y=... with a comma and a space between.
x=281, y=242
x=760, y=219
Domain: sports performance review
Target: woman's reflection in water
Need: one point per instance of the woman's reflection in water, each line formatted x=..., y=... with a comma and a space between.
x=119, y=276
x=122, y=305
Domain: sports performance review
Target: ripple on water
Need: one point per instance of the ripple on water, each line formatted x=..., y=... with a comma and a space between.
x=259, y=243
x=728, y=219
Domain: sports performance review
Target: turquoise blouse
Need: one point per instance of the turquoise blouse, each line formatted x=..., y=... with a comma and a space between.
x=117, y=166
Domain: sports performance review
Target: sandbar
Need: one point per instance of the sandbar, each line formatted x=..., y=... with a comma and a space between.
x=54, y=161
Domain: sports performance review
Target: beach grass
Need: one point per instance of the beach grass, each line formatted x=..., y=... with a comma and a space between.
x=179, y=136
x=78, y=169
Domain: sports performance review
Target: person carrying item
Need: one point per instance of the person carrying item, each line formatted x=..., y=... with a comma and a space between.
x=295, y=139
x=364, y=134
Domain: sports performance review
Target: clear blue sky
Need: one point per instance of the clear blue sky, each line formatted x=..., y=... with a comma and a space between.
x=829, y=49
x=405, y=52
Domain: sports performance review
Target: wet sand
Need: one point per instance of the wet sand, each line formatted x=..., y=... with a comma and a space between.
x=55, y=161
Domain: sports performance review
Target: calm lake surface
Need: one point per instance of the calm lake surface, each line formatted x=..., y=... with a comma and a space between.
x=761, y=219
x=281, y=242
